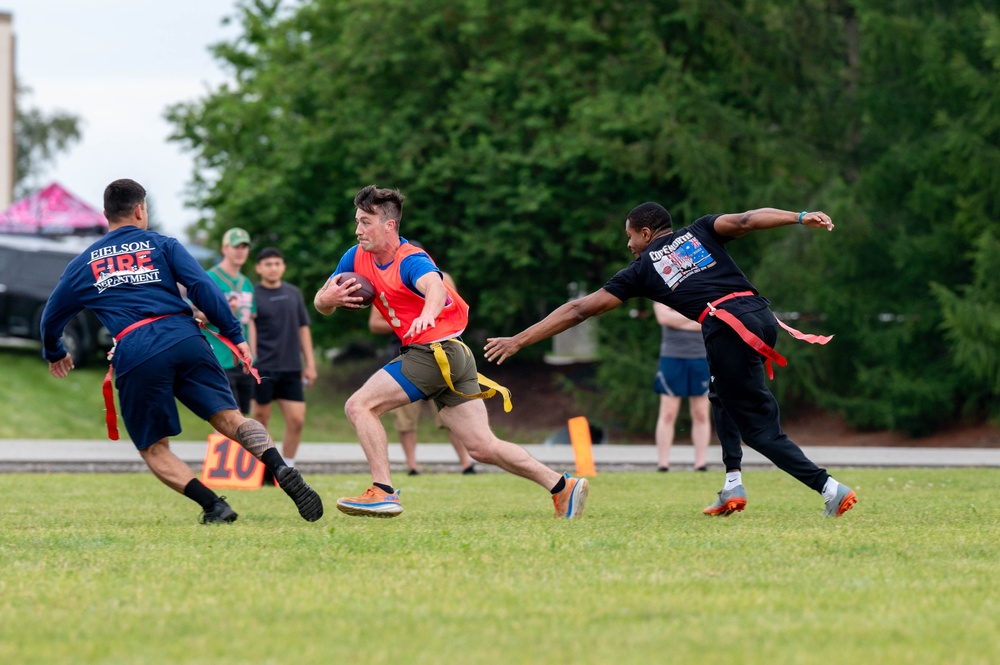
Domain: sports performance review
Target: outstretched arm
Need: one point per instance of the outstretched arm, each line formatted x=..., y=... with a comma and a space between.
x=671, y=318
x=562, y=318
x=738, y=225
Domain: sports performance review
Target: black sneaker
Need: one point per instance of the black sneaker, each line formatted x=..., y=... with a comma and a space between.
x=306, y=500
x=220, y=512
x=469, y=470
x=413, y=472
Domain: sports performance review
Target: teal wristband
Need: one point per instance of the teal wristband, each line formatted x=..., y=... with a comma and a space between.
x=800, y=215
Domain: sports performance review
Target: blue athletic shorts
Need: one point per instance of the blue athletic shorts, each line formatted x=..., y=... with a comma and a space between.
x=188, y=371
x=682, y=377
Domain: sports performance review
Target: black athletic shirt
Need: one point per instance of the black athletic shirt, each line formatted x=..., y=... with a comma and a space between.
x=281, y=313
x=686, y=270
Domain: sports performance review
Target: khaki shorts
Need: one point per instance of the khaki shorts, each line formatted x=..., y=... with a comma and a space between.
x=407, y=417
x=420, y=367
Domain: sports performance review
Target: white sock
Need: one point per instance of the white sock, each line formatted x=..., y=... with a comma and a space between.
x=733, y=478
x=830, y=489
x=290, y=461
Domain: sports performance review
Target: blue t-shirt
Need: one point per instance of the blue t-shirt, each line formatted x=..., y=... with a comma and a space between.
x=128, y=275
x=412, y=268
x=686, y=270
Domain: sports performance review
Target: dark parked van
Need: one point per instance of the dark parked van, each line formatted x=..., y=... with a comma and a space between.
x=30, y=267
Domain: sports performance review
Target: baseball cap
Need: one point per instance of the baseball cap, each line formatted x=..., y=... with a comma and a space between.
x=236, y=236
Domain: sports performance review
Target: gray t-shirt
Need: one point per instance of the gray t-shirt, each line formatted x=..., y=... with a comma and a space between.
x=680, y=343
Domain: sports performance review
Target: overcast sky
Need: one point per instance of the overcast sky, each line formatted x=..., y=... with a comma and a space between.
x=118, y=64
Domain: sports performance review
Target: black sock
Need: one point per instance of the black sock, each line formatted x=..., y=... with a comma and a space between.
x=560, y=486
x=385, y=488
x=273, y=460
x=200, y=494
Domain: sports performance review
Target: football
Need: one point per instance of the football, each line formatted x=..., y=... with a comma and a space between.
x=367, y=290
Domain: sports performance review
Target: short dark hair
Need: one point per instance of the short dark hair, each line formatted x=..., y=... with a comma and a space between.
x=388, y=203
x=121, y=197
x=650, y=215
x=269, y=253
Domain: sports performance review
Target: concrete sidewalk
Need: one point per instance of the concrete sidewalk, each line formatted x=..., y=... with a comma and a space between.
x=120, y=456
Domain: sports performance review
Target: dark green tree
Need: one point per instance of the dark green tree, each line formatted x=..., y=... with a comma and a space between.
x=523, y=134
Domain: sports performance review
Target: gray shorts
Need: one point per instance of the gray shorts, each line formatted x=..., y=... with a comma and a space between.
x=420, y=368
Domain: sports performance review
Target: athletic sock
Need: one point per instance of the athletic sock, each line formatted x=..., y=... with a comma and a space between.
x=290, y=461
x=560, y=486
x=830, y=489
x=200, y=494
x=733, y=478
x=272, y=460
x=385, y=488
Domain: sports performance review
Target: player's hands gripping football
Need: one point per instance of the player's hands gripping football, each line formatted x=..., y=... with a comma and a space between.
x=337, y=293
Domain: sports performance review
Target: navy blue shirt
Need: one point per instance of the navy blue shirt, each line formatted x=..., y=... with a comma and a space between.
x=686, y=270
x=128, y=275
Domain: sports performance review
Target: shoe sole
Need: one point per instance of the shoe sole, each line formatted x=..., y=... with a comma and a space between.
x=306, y=499
x=223, y=518
x=846, y=504
x=387, y=509
x=734, y=505
x=578, y=498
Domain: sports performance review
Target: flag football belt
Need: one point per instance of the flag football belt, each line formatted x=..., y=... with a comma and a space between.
x=755, y=342
x=442, y=360
x=110, y=415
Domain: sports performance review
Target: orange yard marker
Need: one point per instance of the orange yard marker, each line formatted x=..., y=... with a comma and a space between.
x=579, y=436
x=228, y=465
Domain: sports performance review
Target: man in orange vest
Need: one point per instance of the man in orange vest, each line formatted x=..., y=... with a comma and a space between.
x=429, y=318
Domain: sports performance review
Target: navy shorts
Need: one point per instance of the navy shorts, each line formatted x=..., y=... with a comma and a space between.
x=279, y=385
x=188, y=371
x=682, y=377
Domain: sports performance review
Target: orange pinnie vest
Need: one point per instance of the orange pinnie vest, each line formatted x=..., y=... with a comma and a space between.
x=400, y=306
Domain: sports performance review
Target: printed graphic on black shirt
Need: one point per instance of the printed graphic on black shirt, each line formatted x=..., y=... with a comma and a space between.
x=683, y=257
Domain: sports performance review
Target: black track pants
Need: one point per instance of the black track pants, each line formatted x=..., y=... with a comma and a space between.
x=743, y=405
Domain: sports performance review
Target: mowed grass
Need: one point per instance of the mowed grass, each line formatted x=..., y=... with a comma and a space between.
x=115, y=569
x=39, y=406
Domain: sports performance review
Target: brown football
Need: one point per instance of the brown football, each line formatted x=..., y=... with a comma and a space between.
x=367, y=290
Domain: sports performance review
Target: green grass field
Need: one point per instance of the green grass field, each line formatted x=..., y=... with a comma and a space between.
x=115, y=569
x=39, y=406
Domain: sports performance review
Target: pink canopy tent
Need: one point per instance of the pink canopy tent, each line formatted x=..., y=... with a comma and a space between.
x=52, y=211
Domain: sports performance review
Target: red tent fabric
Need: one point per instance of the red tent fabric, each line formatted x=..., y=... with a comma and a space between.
x=52, y=211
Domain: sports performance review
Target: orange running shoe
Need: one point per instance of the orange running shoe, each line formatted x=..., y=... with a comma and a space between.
x=375, y=502
x=841, y=503
x=570, y=501
x=728, y=502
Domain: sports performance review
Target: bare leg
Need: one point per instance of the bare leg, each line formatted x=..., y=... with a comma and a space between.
x=295, y=420
x=380, y=393
x=665, y=422
x=409, y=442
x=701, y=428
x=245, y=431
x=470, y=422
x=460, y=450
x=262, y=413
x=456, y=441
x=170, y=469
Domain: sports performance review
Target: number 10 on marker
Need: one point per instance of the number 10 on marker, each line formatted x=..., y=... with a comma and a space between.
x=228, y=465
